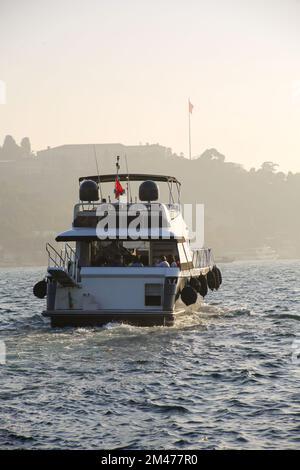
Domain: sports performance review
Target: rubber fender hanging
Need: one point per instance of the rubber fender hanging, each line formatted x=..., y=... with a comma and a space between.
x=203, y=285
x=211, y=280
x=40, y=289
x=219, y=275
x=188, y=295
x=216, y=274
x=195, y=284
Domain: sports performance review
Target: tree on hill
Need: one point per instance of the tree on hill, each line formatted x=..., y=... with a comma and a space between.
x=26, y=146
x=10, y=149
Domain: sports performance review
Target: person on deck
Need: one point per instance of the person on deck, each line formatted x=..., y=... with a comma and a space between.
x=163, y=263
x=118, y=262
x=137, y=262
x=155, y=262
x=171, y=261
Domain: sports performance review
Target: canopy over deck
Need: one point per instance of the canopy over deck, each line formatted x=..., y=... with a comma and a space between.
x=130, y=177
x=92, y=234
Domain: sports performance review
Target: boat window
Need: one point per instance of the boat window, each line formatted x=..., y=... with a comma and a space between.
x=153, y=294
x=118, y=253
x=163, y=247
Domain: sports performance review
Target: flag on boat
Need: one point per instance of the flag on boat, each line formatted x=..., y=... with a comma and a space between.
x=191, y=106
x=119, y=190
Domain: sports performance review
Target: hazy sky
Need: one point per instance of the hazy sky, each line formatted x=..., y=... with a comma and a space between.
x=122, y=71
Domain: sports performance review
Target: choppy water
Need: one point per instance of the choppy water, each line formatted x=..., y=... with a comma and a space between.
x=223, y=377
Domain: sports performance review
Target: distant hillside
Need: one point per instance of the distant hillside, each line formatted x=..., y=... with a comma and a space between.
x=244, y=210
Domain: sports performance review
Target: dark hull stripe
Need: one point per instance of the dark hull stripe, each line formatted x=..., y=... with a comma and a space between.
x=67, y=318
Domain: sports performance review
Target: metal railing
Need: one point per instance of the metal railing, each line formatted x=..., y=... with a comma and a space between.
x=203, y=258
x=65, y=259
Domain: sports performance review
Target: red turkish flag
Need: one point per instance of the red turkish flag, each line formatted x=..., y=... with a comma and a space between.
x=191, y=106
x=119, y=190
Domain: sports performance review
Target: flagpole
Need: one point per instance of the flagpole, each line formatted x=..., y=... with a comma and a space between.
x=117, y=177
x=190, y=138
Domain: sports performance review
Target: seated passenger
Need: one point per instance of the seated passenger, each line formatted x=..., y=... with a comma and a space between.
x=145, y=260
x=136, y=263
x=117, y=262
x=99, y=261
x=155, y=261
x=163, y=263
x=171, y=261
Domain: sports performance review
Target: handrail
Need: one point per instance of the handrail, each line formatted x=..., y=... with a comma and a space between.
x=202, y=258
x=174, y=208
x=66, y=259
x=50, y=248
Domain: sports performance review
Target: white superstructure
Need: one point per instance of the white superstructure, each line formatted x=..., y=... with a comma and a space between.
x=111, y=265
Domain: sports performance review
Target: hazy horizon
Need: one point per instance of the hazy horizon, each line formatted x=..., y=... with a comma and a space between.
x=122, y=71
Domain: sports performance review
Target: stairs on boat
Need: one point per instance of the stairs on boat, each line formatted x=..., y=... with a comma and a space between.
x=63, y=265
x=62, y=276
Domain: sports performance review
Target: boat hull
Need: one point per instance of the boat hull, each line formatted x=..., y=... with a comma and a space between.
x=77, y=318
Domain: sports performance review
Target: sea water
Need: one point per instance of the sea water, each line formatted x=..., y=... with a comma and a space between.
x=225, y=376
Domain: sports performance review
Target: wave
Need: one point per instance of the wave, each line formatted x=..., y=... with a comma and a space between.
x=288, y=316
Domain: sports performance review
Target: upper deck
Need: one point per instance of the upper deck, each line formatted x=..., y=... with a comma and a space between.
x=135, y=214
x=125, y=220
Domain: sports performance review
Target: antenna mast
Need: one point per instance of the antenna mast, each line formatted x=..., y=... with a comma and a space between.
x=99, y=182
x=128, y=181
x=118, y=165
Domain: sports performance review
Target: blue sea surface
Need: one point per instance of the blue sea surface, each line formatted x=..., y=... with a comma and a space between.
x=226, y=376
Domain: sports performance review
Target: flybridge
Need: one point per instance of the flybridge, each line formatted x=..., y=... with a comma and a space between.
x=121, y=212
x=148, y=190
x=96, y=217
x=125, y=221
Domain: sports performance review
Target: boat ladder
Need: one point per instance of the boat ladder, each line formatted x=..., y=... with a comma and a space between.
x=63, y=265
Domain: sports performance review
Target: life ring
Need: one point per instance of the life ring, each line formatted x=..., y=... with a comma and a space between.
x=189, y=295
x=40, y=289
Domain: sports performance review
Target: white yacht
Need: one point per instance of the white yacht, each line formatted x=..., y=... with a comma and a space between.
x=126, y=258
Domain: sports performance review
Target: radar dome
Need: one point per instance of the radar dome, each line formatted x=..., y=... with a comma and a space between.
x=148, y=191
x=89, y=191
